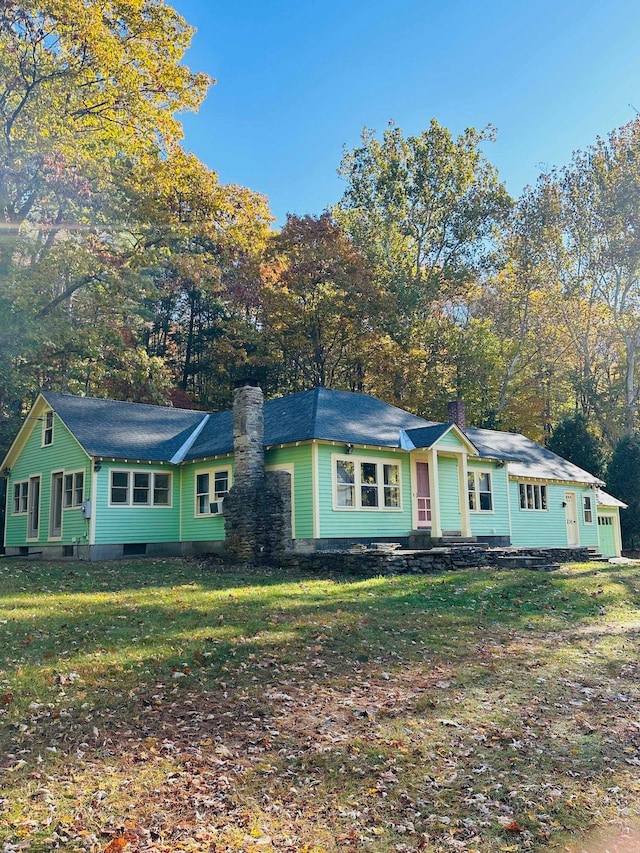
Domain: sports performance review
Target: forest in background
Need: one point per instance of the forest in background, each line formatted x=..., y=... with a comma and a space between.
x=128, y=270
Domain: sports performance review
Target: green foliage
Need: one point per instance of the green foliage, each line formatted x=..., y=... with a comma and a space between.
x=623, y=481
x=422, y=209
x=98, y=202
x=320, y=307
x=572, y=440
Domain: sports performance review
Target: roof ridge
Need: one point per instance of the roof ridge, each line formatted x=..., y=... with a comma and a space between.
x=314, y=407
x=46, y=394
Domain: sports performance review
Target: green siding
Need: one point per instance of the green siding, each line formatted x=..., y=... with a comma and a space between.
x=496, y=522
x=200, y=528
x=128, y=524
x=540, y=528
x=450, y=441
x=448, y=484
x=301, y=458
x=347, y=523
x=65, y=454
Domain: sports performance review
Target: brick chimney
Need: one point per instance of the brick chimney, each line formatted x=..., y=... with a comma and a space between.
x=248, y=432
x=456, y=413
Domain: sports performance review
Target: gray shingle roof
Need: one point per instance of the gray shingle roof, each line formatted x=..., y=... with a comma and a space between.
x=125, y=430
x=426, y=436
x=526, y=458
x=138, y=431
x=605, y=499
x=321, y=414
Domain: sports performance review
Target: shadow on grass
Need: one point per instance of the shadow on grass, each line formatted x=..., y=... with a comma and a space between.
x=339, y=681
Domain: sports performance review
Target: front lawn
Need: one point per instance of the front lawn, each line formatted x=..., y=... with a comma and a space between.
x=167, y=705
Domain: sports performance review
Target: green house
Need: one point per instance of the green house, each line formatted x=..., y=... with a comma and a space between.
x=94, y=478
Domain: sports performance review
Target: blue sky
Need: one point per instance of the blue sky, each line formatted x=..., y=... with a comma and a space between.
x=298, y=80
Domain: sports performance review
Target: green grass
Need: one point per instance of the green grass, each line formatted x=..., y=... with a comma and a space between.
x=166, y=705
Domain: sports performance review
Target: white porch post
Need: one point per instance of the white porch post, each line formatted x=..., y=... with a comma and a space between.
x=436, y=527
x=464, y=496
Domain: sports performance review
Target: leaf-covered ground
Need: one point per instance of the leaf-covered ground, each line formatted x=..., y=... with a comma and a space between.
x=161, y=705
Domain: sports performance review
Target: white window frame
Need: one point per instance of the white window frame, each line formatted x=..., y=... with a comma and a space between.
x=130, y=488
x=543, y=497
x=47, y=428
x=589, y=510
x=476, y=473
x=358, y=484
x=218, y=494
x=22, y=487
x=75, y=502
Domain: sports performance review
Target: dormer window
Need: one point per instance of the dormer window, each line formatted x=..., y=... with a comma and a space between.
x=47, y=429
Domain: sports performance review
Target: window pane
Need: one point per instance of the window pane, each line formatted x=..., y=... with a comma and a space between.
x=140, y=488
x=368, y=473
x=161, y=489
x=68, y=490
x=543, y=497
x=369, y=495
x=484, y=482
x=79, y=488
x=345, y=476
x=368, y=484
x=119, y=487
x=523, y=496
x=391, y=475
x=485, y=501
x=16, y=497
x=202, y=484
x=221, y=484
x=471, y=488
x=392, y=496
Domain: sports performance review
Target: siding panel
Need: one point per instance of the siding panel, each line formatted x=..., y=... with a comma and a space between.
x=131, y=524
x=65, y=454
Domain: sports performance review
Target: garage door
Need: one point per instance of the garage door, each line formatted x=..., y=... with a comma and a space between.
x=606, y=532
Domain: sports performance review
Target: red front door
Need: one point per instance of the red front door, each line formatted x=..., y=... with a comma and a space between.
x=423, y=494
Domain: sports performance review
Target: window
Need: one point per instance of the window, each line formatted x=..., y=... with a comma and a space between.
x=20, y=497
x=365, y=484
x=480, y=497
x=140, y=488
x=587, y=509
x=47, y=429
x=533, y=496
x=211, y=486
x=73, y=489
x=605, y=520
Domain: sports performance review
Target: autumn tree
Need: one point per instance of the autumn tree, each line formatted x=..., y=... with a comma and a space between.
x=320, y=306
x=96, y=195
x=422, y=209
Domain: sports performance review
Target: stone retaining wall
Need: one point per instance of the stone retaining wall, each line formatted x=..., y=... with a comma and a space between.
x=376, y=563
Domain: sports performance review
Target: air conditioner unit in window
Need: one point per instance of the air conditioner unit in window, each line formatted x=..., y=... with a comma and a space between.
x=215, y=507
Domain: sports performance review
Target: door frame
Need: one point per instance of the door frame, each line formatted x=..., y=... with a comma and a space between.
x=34, y=501
x=570, y=500
x=56, y=504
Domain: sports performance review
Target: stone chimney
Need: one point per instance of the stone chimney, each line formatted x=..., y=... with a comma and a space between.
x=456, y=413
x=257, y=508
x=248, y=432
